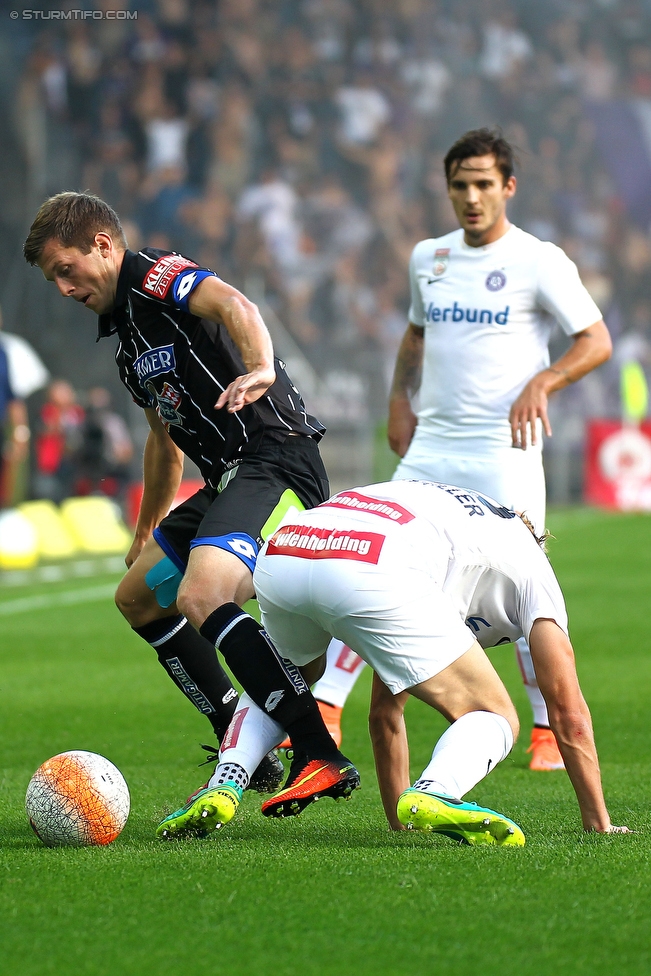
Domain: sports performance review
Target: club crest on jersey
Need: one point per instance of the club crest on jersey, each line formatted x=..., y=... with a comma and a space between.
x=158, y=279
x=496, y=280
x=441, y=260
x=155, y=361
x=167, y=402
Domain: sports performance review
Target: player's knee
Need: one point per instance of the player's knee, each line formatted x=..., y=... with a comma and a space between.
x=186, y=603
x=133, y=606
x=195, y=604
x=511, y=717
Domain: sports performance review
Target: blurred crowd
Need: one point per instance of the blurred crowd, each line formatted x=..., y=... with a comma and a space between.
x=297, y=145
x=80, y=450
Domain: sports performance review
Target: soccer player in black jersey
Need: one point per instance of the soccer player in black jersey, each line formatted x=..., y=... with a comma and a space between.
x=195, y=354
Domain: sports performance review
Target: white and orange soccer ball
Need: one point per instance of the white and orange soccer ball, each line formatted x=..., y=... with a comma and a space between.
x=77, y=799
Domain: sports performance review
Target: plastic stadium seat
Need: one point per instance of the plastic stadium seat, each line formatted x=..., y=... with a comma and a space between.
x=18, y=541
x=95, y=524
x=54, y=539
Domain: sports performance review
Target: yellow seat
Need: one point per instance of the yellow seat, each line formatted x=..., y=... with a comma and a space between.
x=95, y=524
x=18, y=541
x=54, y=538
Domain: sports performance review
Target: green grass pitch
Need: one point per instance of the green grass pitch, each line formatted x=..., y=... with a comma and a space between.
x=332, y=892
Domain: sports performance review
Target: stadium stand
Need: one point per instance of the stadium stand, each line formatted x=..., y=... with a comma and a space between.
x=296, y=147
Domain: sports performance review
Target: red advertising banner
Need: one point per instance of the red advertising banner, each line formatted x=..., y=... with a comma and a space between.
x=134, y=497
x=618, y=465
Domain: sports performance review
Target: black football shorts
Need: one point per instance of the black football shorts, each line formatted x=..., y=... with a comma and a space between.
x=252, y=499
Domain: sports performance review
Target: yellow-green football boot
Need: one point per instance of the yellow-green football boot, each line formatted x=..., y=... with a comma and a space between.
x=464, y=822
x=207, y=810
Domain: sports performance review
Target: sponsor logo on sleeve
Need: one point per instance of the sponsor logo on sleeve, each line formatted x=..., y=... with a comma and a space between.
x=441, y=261
x=363, y=503
x=308, y=542
x=496, y=281
x=158, y=279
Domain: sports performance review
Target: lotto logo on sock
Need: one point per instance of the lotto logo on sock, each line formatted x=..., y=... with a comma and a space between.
x=233, y=730
x=273, y=700
x=312, y=543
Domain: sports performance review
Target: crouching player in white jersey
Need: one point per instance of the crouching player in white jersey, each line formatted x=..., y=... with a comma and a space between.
x=483, y=302
x=417, y=578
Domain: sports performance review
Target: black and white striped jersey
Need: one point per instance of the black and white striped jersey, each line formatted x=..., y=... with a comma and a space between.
x=172, y=360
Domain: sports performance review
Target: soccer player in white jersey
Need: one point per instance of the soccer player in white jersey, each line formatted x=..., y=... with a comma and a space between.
x=483, y=303
x=419, y=578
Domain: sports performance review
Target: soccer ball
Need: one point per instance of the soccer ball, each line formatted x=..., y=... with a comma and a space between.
x=77, y=799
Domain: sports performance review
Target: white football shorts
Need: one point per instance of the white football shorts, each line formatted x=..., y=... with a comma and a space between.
x=389, y=608
x=511, y=476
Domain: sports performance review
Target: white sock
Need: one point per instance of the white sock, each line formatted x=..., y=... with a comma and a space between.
x=249, y=737
x=343, y=668
x=230, y=773
x=471, y=747
x=539, y=708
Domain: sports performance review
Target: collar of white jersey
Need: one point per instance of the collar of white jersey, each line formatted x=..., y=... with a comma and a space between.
x=487, y=248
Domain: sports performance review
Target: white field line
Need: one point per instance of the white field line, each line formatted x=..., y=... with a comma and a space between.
x=48, y=601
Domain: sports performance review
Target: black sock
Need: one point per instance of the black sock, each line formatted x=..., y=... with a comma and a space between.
x=192, y=664
x=275, y=685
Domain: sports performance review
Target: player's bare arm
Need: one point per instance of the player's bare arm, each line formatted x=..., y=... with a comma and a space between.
x=390, y=746
x=406, y=383
x=589, y=349
x=570, y=720
x=162, y=470
x=18, y=447
x=217, y=301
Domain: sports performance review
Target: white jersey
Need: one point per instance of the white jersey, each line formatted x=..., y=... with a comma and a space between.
x=481, y=555
x=488, y=314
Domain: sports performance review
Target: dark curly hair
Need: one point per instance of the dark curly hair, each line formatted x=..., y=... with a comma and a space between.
x=481, y=142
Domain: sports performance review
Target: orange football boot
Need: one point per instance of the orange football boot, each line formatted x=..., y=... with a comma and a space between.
x=309, y=780
x=546, y=755
x=331, y=715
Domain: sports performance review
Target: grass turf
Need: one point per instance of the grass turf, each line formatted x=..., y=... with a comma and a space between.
x=331, y=892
